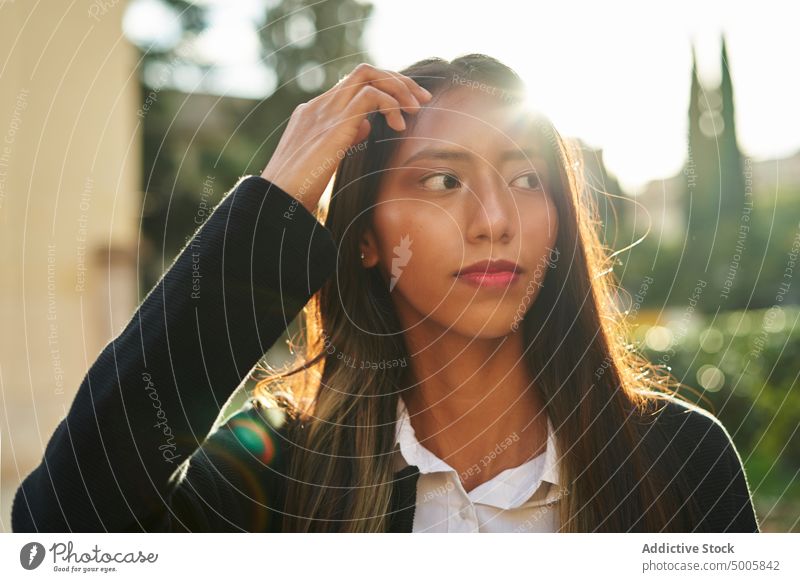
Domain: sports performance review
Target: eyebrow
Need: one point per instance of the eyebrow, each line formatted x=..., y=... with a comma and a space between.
x=442, y=154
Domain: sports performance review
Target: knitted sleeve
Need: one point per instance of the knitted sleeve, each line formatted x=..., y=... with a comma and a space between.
x=125, y=457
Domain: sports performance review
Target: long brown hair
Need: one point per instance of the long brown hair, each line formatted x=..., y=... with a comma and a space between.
x=596, y=389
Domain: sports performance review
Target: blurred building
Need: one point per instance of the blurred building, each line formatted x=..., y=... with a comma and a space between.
x=70, y=166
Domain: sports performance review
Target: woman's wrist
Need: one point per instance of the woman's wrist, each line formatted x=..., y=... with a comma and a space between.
x=293, y=190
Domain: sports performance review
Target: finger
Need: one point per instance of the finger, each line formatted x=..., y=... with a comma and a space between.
x=368, y=99
x=413, y=91
x=365, y=75
x=418, y=90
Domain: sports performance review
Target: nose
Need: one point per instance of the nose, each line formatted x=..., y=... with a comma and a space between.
x=492, y=213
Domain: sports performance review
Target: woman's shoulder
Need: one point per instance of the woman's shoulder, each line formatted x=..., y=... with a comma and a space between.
x=262, y=429
x=235, y=480
x=252, y=445
x=687, y=425
x=705, y=455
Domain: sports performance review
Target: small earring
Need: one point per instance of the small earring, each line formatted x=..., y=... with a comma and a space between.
x=362, y=255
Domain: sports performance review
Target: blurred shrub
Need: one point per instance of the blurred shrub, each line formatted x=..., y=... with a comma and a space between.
x=743, y=366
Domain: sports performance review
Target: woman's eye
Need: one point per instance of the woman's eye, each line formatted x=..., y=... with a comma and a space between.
x=441, y=181
x=533, y=181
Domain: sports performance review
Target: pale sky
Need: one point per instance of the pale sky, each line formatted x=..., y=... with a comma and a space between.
x=614, y=73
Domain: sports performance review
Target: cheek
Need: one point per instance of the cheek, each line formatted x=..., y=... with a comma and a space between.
x=540, y=227
x=417, y=239
x=540, y=233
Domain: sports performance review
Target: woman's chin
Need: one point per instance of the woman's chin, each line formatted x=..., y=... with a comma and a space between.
x=489, y=326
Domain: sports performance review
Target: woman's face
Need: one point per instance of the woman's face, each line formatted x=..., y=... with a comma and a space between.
x=465, y=185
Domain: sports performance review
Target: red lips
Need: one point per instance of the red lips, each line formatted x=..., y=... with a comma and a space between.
x=496, y=266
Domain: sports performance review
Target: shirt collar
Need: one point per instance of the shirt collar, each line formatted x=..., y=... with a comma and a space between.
x=510, y=488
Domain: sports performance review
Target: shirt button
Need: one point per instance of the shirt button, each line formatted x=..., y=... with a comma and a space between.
x=465, y=513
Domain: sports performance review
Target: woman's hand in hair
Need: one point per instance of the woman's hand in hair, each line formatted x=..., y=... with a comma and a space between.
x=320, y=131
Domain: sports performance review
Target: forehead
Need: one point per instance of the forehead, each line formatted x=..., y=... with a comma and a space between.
x=475, y=120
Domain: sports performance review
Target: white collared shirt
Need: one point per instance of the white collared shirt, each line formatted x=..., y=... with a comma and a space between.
x=519, y=499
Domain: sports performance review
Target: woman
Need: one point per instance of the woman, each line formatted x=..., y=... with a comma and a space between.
x=466, y=366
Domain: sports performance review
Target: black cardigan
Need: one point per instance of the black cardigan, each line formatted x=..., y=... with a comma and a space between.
x=134, y=453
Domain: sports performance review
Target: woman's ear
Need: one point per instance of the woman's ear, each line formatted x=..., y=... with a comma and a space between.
x=369, y=249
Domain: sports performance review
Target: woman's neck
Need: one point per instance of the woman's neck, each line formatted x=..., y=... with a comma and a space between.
x=472, y=403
